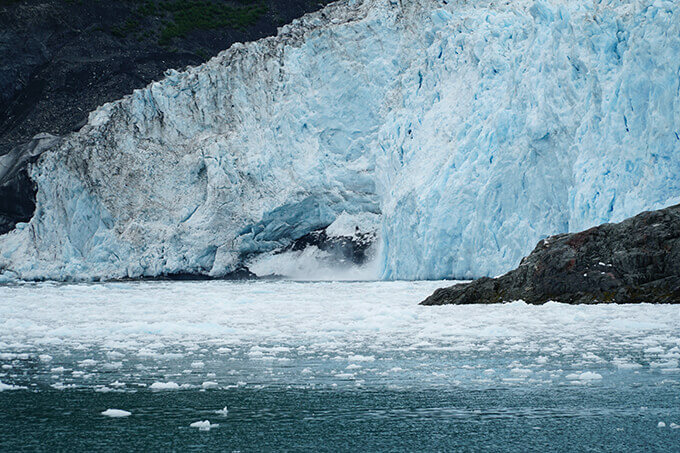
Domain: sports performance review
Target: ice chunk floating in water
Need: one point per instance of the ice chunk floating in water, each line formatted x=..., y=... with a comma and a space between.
x=164, y=386
x=469, y=129
x=116, y=413
x=204, y=425
x=4, y=387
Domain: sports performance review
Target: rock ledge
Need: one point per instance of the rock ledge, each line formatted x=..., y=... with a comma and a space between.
x=635, y=261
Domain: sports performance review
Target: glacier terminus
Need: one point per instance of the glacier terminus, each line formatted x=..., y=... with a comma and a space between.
x=457, y=133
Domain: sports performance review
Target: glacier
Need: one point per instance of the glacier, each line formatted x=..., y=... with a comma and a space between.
x=470, y=130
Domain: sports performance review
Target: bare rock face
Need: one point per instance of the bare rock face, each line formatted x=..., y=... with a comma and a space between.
x=635, y=261
x=17, y=191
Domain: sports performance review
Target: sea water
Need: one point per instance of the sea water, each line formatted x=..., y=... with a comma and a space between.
x=329, y=366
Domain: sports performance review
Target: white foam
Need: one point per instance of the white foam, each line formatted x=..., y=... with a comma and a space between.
x=312, y=264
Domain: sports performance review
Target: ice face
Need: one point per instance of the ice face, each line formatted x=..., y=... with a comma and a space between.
x=473, y=129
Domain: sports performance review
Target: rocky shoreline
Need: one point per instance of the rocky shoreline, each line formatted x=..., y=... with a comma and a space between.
x=635, y=261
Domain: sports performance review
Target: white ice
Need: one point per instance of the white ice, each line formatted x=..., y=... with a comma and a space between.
x=4, y=387
x=164, y=386
x=264, y=333
x=116, y=413
x=204, y=425
x=470, y=129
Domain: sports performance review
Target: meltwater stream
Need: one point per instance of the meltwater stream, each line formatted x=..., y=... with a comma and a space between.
x=329, y=366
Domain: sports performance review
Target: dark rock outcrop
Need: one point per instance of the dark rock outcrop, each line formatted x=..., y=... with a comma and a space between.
x=635, y=261
x=17, y=191
x=344, y=249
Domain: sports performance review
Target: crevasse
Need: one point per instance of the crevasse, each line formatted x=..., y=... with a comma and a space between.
x=472, y=128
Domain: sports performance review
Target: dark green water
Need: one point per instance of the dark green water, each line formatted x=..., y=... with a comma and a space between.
x=560, y=418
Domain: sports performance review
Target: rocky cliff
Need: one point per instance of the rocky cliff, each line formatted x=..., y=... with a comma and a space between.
x=637, y=260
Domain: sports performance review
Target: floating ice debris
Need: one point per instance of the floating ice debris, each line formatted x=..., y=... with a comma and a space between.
x=204, y=425
x=223, y=412
x=4, y=386
x=209, y=385
x=197, y=364
x=117, y=384
x=87, y=362
x=654, y=350
x=586, y=376
x=164, y=386
x=330, y=332
x=674, y=426
x=590, y=376
x=670, y=364
x=62, y=386
x=59, y=369
x=45, y=358
x=661, y=425
x=113, y=365
x=345, y=376
x=624, y=364
x=116, y=413
x=361, y=358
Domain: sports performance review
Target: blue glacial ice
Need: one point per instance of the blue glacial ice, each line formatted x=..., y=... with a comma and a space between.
x=469, y=129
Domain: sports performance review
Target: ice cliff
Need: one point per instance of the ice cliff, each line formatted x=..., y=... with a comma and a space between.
x=469, y=129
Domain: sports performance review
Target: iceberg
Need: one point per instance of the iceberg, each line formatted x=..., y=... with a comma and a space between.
x=469, y=130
